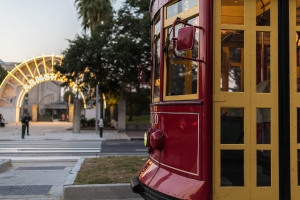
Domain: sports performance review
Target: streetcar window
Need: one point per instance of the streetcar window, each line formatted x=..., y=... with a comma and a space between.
x=156, y=58
x=298, y=60
x=232, y=168
x=298, y=125
x=232, y=65
x=180, y=6
x=232, y=126
x=157, y=27
x=298, y=159
x=263, y=69
x=263, y=168
x=232, y=12
x=156, y=71
x=263, y=125
x=182, y=73
x=263, y=13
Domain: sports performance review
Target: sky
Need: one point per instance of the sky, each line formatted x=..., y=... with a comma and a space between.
x=32, y=28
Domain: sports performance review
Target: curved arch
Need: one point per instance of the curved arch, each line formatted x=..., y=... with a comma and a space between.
x=23, y=77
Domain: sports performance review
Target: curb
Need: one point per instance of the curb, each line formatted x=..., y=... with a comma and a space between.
x=5, y=164
x=95, y=191
x=99, y=191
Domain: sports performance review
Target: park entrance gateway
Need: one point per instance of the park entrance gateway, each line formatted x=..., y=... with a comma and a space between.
x=22, y=78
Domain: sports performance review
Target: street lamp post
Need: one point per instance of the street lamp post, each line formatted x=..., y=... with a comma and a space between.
x=97, y=97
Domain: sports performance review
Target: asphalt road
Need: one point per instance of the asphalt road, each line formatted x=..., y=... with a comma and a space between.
x=71, y=149
x=123, y=147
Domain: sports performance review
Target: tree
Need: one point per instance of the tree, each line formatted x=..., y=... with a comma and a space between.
x=111, y=54
x=75, y=63
x=3, y=74
x=93, y=12
x=67, y=95
x=131, y=46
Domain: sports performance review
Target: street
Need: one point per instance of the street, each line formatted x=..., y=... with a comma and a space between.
x=67, y=149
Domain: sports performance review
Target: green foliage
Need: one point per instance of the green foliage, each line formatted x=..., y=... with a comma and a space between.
x=83, y=122
x=91, y=122
x=67, y=94
x=87, y=123
x=110, y=55
x=93, y=12
x=111, y=98
x=3, y=74
x=138, y=119
x=45, y=117
x=132, y=48
x=132, y=42
x=141, y=102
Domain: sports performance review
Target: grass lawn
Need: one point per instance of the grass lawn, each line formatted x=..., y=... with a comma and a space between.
x=143, y=119
x=112, y=169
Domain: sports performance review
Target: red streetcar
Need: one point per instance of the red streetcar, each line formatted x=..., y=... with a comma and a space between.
x=224, y=101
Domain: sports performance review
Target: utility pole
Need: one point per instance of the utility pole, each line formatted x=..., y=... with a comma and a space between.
x=97, y=97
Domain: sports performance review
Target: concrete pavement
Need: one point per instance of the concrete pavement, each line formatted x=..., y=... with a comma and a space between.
x=55, y=131
x=59, y=131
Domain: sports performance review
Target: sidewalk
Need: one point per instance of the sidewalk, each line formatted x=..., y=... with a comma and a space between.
x=61, y=131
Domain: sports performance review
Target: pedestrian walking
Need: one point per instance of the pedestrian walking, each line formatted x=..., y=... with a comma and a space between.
x=27, y=119
x=23, y=127
x=101, y=124
x=2, y=121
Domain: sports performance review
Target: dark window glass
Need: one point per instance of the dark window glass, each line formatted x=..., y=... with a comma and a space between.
x=263, y=68
x=235, y=54
x=263, y=12
x=232, y=168
x=263, y=167
x=263, y=125
x=298, y=159
x=298, y=125
x=232, y=126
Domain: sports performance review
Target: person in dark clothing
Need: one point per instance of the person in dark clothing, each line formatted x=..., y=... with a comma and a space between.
x=23, y=127
x=2, y=121
x=101, y=124
x=27, y=119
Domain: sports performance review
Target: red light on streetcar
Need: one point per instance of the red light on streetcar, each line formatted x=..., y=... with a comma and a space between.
x=157, y=140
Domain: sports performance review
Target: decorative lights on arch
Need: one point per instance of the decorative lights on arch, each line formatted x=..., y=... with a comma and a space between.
x=32, y=80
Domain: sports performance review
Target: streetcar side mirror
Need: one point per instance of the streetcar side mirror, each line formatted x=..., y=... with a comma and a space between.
x=185, y=38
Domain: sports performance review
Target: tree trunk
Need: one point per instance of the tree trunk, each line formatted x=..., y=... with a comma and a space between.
x=76, y=121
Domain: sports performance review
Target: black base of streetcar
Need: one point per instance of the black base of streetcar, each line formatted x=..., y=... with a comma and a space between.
x=146, y=192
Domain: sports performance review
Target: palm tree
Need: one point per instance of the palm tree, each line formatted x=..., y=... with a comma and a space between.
x=93, y=13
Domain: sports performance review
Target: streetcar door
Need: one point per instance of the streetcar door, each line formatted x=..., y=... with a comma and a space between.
x=294, y=15
x=245, y=100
